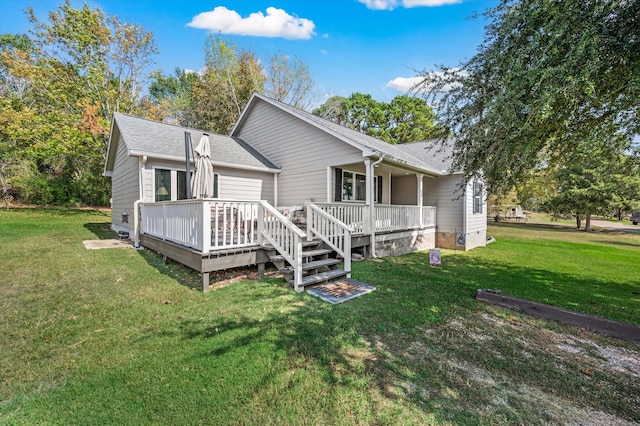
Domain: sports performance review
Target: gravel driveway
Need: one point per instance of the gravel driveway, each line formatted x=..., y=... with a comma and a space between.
x=623, y=226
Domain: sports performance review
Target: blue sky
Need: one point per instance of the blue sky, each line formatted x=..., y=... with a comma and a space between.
x=368, y=46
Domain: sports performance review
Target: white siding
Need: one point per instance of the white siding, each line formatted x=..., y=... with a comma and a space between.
x=302, y=151
x=232, y=183
x=124, y=188
x=476, y=222
x=244, y=185
x=443, y=192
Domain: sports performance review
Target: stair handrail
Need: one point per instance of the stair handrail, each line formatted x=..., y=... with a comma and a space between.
x=285, y=237
x=335, y=233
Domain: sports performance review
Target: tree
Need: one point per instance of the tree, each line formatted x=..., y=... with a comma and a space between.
x=550, y=77
x=590, y=182
x=405, y=119
x=289, y=81
x=175, y=94
x=79, y=68
x=227, y=84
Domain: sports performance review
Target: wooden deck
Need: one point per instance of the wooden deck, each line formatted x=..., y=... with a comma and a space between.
x=215, y=260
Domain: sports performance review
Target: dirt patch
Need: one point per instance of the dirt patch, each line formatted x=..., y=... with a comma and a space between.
x=504, y=364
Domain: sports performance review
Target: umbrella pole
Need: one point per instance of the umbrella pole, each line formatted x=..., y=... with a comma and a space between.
x=187, y=145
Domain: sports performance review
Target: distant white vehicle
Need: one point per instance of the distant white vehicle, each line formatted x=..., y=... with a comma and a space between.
x=635, y=218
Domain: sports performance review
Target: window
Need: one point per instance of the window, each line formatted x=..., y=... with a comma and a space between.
x=351, y=186
x=162, y=185
x=172, y=185
x=477, y=197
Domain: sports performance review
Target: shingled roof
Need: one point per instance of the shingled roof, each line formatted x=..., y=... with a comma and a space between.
x=166, y=141
x=415, y=155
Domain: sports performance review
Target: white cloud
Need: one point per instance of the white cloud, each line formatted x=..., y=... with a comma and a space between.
x=406, y=84
x=392, y=4
x=276, y=23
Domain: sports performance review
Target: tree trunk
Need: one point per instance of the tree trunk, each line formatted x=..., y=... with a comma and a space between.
x=587, y=222
x=578, y=221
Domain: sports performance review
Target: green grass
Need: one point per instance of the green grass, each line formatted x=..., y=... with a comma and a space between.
x=116, y=337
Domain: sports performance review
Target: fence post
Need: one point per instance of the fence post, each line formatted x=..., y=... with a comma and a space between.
x=260, y=224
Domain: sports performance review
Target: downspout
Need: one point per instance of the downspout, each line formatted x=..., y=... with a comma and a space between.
x=275, y=189
x=373, y=205
x=136, y=205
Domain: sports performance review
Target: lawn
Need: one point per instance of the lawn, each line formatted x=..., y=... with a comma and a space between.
x=116, y=337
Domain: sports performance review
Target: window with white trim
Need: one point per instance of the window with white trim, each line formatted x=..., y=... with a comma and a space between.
x=352, y=186
x=171, y=185
x=477, y=197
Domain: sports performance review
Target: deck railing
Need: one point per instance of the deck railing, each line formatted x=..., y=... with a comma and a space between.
x=203, y=225
x=285, y=237
x=208, y=225
x=332, y=231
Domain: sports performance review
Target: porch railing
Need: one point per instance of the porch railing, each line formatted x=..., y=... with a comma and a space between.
x=332, y=231
x=355, y=216
x=387, y=217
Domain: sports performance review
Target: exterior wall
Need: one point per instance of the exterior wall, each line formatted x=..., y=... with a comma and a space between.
x=125, y=189
x=404, y=190
x=443, y=192
x=302, y=151
x=476, y=230
x=397, y=243
x=455, y=213
x=232, y=183
x=244, y=184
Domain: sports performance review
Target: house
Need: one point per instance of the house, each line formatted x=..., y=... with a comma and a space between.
x=351, y=191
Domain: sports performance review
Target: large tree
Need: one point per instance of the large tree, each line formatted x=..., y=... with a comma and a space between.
x=595, y=180
x=549, y=77
x=81, y=66
x=405, y=119
x=227, y=83
x=289, y=81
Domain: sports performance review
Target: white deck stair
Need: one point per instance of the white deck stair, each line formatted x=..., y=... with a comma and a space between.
x=319, y=264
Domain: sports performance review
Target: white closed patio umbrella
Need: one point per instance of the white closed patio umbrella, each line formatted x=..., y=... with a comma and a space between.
x=202, y=182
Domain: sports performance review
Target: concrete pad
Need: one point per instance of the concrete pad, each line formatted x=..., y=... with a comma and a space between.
x=101, y=244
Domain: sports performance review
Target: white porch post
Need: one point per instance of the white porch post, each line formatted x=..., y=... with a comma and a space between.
x=419, y=197
x=369, y=195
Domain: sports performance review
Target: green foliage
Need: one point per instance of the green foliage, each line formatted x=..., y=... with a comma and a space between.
x=64, y=83
x=595, y=181
x=549, y=76
x=405, y=119
x=225, y=87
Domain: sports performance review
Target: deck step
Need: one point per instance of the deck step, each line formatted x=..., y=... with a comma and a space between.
x=305, y=244
x=305, y=254
x=320, y=263
x=321, y=277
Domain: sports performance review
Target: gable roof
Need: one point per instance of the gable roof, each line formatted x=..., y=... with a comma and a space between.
x=166, y=141
x=433, y=152
x=419, y=159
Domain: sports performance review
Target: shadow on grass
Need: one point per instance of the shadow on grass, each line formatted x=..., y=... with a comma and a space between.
x=101, y=230
x=367, y=342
